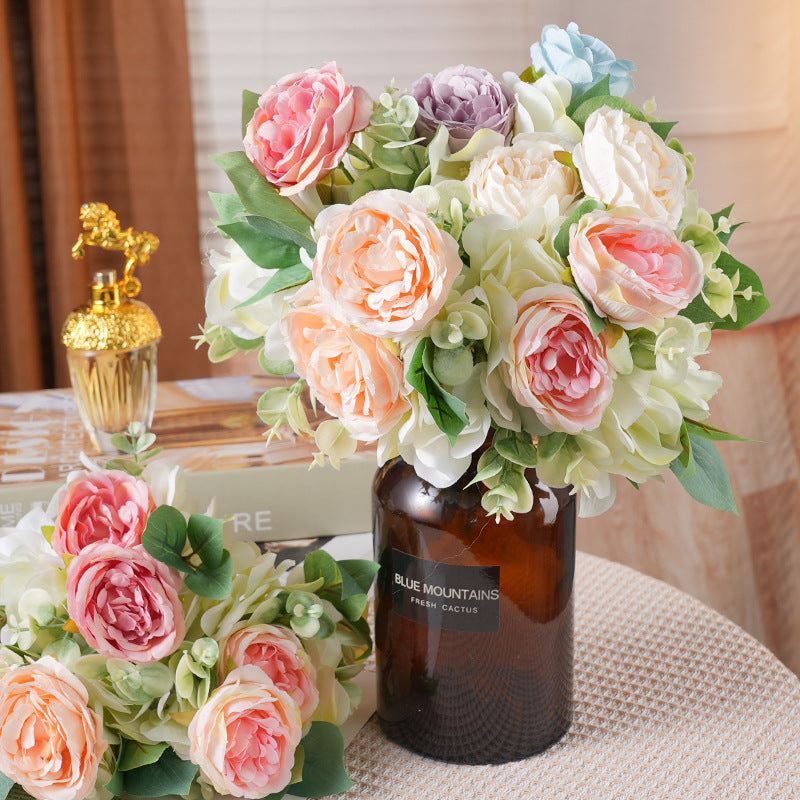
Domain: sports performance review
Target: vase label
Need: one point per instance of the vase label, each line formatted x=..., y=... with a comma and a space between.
x=452, y=596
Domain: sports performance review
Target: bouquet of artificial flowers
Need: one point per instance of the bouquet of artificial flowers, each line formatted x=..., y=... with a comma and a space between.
x=520, y=259
x=140, y=657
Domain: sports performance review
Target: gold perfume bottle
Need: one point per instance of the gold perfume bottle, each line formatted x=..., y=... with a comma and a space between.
x=111, y=341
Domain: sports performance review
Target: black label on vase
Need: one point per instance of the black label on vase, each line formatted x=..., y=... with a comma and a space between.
x=452, y=596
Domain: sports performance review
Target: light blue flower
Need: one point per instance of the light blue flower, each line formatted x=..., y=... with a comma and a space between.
x=582, y=59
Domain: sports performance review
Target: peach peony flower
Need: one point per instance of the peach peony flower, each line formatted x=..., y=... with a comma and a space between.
x=245, y=735
x=280, y=654
x=556, y=365
x=354, y=375
x=101, y=506
x=624, y=162
x=51, y=742
x=303, y=126
x=633, y=269
x=125, y=602
x=382, y=264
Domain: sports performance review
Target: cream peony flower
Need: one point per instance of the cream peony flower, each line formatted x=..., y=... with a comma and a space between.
x=624, y=162
x=516, y=179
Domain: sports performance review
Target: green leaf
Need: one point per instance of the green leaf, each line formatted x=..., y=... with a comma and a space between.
x=286, y=277
x=228, y=206
x=321, y=564
x=549, y=445
x=122, y=443
x=323, y=771
x=352, y=606
x=277, y=216
x=135, y=754
x=448, y=412
x=561, y=242
x=117, y=783
x=747, y=311
x=164, y=537
x=725, y=212
x=6, y=785
x=358, y=570
x=517, y=448
x=260, y=249
x=361, y=628
x=213, y=582
x=169, y=775
x=706, y=431
x=205, y=537
x=589, y=105
x=600, y=89
x=131, y=467
x=249, y=103
x=709, y=484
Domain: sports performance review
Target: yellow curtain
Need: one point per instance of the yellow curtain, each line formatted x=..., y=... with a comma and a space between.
x=94, y=105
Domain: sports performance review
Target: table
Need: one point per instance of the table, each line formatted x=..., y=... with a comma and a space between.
x=672, y=700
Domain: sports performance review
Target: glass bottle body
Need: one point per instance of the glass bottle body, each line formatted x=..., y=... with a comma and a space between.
x=473, y=620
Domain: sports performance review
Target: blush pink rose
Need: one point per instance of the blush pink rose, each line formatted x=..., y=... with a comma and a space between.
x=381, y=263
x=557, y=366
x=303, y=126
x=51, y=742
x=106, y=505
x=280, y=654
x=125, y=602
x=633, y=269
x=354, y=375
x=245, y=735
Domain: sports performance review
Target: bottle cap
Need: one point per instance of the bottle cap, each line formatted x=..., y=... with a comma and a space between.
x=111, y=319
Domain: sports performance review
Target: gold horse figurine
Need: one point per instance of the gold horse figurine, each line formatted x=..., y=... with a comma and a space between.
x=101, y=228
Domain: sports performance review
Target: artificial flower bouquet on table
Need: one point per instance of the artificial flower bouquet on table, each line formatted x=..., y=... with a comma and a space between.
x=518, y=257
x=140, y=657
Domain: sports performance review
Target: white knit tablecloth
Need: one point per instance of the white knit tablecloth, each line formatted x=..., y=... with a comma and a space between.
x=672, y=700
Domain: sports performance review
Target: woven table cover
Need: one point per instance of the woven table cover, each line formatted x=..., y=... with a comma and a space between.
x=672, y=700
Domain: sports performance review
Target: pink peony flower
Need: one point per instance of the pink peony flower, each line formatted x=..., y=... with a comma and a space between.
x=280, y=654
x=557, y=366
x=125, y=602
x=354, y=375
x=101, y=506
x=303, y=126
x=245, y=735
x=382, y=265
x=51, y=742
x=633, y=269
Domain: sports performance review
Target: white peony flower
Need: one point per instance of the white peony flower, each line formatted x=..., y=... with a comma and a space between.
x=236, y=280
x=624, y=162
x=516, y=179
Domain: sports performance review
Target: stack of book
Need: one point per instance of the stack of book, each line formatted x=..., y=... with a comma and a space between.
x=209, y=427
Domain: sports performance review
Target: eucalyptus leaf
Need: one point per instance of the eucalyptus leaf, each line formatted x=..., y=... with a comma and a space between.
x=517, y=448
x=213, y=582
x=205, y=537
x=169, y=775
x=323, y=770
x=550, y=444
x=321, y=564
x=164, y=537
x=709, y=484
x=122, y=443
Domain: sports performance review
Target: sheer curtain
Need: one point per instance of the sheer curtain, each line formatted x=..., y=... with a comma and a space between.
x=94, y=105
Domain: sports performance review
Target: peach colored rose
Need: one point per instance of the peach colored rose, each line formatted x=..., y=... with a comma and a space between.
x=125, y=602
x=354, y=375
x=381, y=263
x=280, y=654
x=633, y=269
x=303, y=126
x=51, y=742
x=106, y=505
x=245, y=735
x=557, y=366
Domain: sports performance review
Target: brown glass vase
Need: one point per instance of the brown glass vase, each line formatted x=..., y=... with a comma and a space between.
x=473, y=618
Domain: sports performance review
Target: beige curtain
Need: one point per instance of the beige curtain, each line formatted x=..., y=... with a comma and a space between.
x=94, y=105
